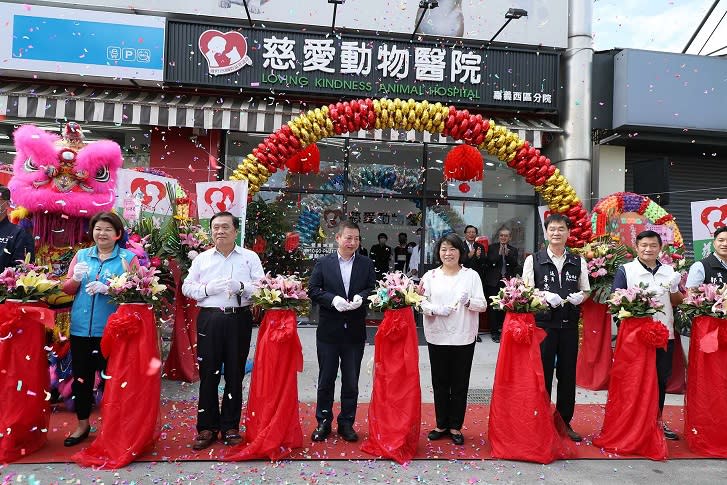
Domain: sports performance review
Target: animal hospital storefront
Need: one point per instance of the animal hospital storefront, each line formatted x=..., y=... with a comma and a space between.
x=386, y=180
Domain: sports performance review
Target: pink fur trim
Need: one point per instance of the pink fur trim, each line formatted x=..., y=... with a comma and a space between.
x=36, y=143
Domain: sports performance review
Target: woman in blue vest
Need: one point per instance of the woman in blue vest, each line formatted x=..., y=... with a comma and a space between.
x=88, y=275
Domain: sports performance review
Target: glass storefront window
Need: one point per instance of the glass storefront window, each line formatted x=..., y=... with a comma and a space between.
x=499, y=181
x=385, y=216
x=135, y=141
x=380, y=167
x=329, y=177
x=488, y=218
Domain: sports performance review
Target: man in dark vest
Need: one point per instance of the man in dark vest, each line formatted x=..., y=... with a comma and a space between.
x=563, y=277
x=15, y=242
x=713, y=268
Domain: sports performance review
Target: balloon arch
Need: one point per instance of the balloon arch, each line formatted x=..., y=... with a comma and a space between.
x=367, y=114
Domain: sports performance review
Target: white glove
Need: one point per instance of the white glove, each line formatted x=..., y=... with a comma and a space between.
x=80, y=270
x=674, y=282
x=340, y=304
x=553, y=299
x=576, y=298
x=442, y=310
x=97, y=287
x=233, y=287
x=356, y=302
x=215, y=287
x=463, y=298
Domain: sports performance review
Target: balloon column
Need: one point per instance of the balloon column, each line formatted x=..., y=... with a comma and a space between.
x=367, y=114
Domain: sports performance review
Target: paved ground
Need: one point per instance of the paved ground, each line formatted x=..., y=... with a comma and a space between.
x=433, y=472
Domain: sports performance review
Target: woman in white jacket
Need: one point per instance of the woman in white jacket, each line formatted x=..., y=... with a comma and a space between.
x=454, y=297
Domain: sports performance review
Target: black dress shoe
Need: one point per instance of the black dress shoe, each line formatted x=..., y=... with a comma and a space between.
x=457, y=438
x=347, y=432
x=74, y=440
x=478, y=339
x=573, y=435
x=436, y=434
x=669, y=434
x=321, y=432
x=496, y=338
x=204, y=439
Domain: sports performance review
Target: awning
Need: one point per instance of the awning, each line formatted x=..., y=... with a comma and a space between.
x=236, y=113
x=101, y=105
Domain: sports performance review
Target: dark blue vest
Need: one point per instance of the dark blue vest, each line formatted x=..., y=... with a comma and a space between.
x=546, y=279
x=714, y=272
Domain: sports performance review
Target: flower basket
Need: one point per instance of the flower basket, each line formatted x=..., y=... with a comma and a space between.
x=631, y=425
x=272, y=422
x=603, y=257
x=705, y=402
x=27, y=283
x=522, y=422
x=395, y=411
x=518, y=297
x=595, y=354
x=130, y=345
x=24, y=379
x=281, y=292
x=394, y=291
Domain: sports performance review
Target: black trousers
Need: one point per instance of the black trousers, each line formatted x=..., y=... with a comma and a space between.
x=86, y=359
x=451, y=366
x=495, y=317
x=222, y=339
x=330, y=356
x=559, y=351
x=664, y=361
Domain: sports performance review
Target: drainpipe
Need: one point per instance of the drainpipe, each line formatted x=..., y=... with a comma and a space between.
x=572, y=151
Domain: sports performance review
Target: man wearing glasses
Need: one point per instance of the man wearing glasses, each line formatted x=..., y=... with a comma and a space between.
x=563, y=276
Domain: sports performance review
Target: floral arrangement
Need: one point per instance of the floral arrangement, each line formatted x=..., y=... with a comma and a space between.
x=517, y=297
x=603, y=257
x=675, y=257
x=138, y=284
x=281, y=292
x=621, y=202
x=27, y=282
x=396, y=290
x=637, y=301
x=194, y=239
x=706, y=299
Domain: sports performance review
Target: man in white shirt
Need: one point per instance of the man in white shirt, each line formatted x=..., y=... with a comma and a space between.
x=662, y=279
x=222, y=280
x=563, y=277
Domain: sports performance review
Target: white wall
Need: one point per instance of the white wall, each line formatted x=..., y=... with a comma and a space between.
x=546, y=24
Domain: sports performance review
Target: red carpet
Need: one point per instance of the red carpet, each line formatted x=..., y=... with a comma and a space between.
x=179, y=418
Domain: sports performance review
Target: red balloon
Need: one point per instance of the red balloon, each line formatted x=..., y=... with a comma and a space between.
x=464, y=187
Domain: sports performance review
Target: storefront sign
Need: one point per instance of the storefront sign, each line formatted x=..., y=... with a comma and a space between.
x=310, y=63
x=70, y=41
x=707, y=216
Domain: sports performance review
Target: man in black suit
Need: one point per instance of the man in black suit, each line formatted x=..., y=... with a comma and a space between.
x=502, y=262
x=476, y=254
x=340, y=284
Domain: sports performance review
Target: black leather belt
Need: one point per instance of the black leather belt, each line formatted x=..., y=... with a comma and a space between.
x=226, y=310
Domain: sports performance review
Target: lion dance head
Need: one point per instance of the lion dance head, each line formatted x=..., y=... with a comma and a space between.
x=63, y=182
